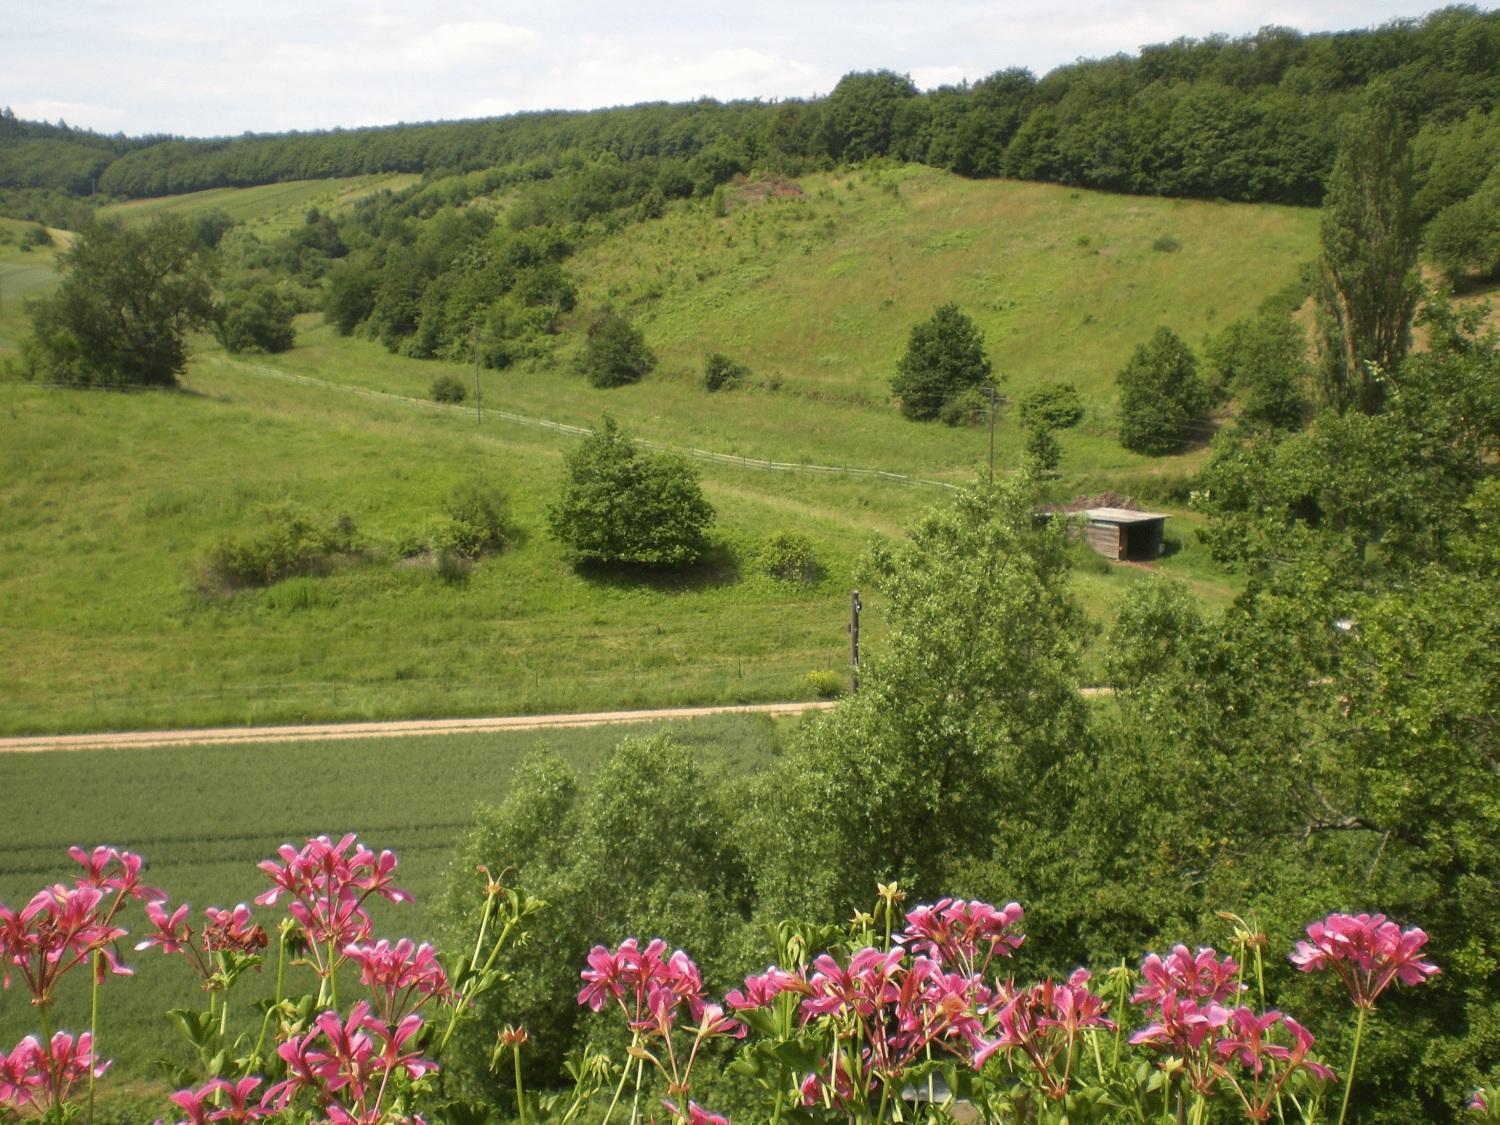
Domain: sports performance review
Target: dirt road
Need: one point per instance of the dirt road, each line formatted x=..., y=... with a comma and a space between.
x=324, y=732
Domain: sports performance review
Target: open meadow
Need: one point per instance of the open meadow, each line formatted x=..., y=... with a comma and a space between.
x=113, y=501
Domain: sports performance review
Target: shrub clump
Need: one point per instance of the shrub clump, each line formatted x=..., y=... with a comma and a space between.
x=1051, y=406
x=615, y=353
x=289, y=542
x=719, y=371
x=447, y=388
x=621, y=506
x=788, y=556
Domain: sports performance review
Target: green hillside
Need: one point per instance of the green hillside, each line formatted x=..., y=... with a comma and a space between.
x=274, y=206
x=112, y=501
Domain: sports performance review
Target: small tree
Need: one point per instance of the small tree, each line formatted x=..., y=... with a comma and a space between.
x=615, y=353
x=1051, y=406
x=128, y=298
x=1162, y=399
x=621, y=506
x=1262, y=361
x=256, y=319
x=944, y=357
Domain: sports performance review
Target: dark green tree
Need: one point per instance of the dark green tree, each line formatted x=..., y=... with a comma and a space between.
x=256, y=319
x=127, y=300
x=621, y=506
x=1051, y=406
x=944, y=357
x=1367, y=291
x=1262, y=362
x=615, y=353
x=1162, y=399
x=859, y=116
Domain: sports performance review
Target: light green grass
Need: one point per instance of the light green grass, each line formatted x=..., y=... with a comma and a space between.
x=203, y=817
x=22, y=275
x=275, y=206
x=110, y=501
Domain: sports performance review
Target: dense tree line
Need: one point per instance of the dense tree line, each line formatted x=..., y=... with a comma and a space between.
x=1248, y=118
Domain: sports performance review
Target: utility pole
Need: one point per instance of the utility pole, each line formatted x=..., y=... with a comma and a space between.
x=474, y=345
x=854, y=607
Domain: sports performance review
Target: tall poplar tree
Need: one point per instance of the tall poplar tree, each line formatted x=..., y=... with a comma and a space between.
x=1367, y=294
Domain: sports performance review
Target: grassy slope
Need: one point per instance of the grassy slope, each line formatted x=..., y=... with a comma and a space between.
x=277, y=206
x=98, y=611
x=203, y=817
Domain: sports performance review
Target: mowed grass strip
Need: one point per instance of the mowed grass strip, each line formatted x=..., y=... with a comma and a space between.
x=273, y=206
x=203, y=817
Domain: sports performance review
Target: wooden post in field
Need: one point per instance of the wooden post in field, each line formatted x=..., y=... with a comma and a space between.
x=478, y=416
x=854, y=607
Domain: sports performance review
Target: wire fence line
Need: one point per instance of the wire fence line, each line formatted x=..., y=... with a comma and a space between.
x=708, y=455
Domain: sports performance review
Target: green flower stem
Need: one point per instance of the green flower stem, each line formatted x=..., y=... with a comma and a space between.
x=1359, y=1031
x=515, y=1051
x=265, y=1024
x=94, y=966
x=620, y=1088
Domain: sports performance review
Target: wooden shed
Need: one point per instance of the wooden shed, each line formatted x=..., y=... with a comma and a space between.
x=1119, y=534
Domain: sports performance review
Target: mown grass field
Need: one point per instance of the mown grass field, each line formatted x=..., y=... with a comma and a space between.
x=269, y=207
x=203, y=817
x=110, y=501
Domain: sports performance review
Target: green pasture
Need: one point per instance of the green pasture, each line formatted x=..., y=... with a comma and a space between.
x=821, y=288
x=203, y=817
x=22, y=274
x=110, y=501
x=274, y=206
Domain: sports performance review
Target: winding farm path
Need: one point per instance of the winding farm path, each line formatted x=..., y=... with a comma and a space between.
x=324, y=732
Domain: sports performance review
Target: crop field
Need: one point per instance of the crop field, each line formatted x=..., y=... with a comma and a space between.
x=269, y=207
x=112, y=501
x=203, y=817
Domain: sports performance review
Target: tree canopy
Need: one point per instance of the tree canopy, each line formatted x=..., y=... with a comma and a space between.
x=1162, y=399
x=944, y=357
x=128, y=297
x=619, y=505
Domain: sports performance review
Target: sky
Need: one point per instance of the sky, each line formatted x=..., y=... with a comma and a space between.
x=224, y=67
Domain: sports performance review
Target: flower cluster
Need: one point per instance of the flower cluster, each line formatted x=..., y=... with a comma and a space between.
x=221, y=1100
x=41, y=1077
x=328, y=885
x=964, y=935
x=401, y=977
x=1185, y=995
x=224, y=932
x=1043, y=1023
x=1368, y=952
x=345, y=1066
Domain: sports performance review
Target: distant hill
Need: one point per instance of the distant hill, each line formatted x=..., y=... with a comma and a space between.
x=1248, y=118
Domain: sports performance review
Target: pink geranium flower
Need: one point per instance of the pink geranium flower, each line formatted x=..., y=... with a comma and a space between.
x=1368, y=952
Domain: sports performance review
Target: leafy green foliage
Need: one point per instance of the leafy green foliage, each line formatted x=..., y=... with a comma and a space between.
x=615, y=353
x=258, y=318
x=621, y=506
x=643, y=851
x=1262, y=361
x=1043, y=451
x=1464, y=237
x=127, y=299
x=1051, y=406
x=788, y=556
x=967, y=709
x=720, y=371
x=449, y=389
x=1367, y=293
x=1162, y=399
x=478, y=519
x=289, y=541
x=944, y=357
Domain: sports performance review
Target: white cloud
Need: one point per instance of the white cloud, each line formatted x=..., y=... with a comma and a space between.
x=613, y=72
x=103, y=118
x=455, y=44
x=931, y=77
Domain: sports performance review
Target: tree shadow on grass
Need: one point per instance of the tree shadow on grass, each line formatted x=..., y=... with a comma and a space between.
x=717, y=567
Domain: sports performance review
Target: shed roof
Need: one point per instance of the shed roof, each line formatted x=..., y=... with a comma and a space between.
x=1121, y=515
